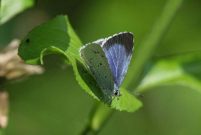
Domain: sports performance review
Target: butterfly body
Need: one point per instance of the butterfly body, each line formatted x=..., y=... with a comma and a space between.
x=114, y=53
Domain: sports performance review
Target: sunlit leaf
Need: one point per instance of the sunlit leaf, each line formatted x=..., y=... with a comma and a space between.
x=127, y=102
x=10, y=8
x=182, y=70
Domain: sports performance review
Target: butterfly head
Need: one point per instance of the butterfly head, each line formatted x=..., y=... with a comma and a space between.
x=116, y=93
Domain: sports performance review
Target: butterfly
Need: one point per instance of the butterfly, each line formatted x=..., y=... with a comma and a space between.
x=108, y=59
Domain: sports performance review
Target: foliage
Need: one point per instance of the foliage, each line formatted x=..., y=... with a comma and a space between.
x=148, y=72
x=178, y=70
x=63, y=41
x=9, y=8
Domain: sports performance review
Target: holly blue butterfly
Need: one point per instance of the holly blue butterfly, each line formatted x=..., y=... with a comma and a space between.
x=108, y=59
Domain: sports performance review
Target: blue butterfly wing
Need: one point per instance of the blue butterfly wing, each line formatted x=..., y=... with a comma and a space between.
x=118, y=50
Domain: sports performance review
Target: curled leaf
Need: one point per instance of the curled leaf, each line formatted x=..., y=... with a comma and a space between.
x=63, y=41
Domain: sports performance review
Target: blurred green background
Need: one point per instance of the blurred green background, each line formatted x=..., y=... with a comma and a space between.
x=53, y=103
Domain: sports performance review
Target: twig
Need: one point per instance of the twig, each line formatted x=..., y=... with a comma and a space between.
x=3, y=109
x=12, y=67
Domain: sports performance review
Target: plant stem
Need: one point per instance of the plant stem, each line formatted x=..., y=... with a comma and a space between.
x=100, y=114
x=144, y=52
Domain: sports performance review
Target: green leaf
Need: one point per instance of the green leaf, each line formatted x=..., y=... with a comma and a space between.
x=48, y=37
x=63, y=41
x=127, y=102
x=182, y=70
x=10, y=8
x=84, y=79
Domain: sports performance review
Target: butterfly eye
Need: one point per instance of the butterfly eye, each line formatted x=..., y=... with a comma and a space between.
x=117, y=93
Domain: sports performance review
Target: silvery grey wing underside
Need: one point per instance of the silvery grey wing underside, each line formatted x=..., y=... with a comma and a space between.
x=97, y=63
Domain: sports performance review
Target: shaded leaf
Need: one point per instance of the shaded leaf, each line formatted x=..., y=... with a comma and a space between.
x=50, y=36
